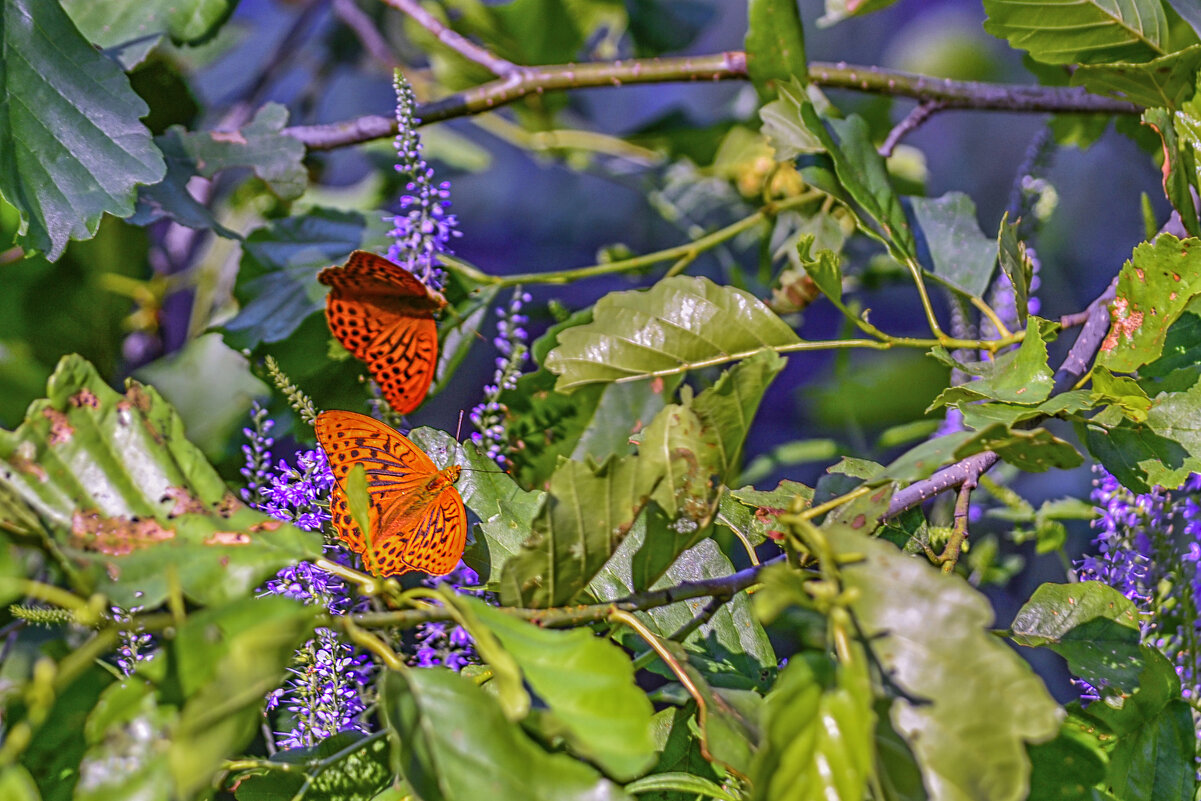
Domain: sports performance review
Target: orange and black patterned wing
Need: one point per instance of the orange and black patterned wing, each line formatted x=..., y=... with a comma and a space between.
x=397, y=471
x=436, y=545
x=383, y=315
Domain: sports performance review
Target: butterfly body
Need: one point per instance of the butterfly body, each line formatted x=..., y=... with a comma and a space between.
x=384, y=316
x=415, y=514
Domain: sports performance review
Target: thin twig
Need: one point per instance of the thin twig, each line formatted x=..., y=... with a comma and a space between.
x=963, y=505
x=727, y=66
x=365, y=31
x=456, y=41
x=922, y=112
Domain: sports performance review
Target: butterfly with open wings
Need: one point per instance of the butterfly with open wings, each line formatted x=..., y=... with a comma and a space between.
x=415, y=514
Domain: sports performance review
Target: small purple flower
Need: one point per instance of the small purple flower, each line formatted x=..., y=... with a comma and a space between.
x=425, y=226
x=488, y=416
x=446, y=644
x=1148, y=548
x=136, y=645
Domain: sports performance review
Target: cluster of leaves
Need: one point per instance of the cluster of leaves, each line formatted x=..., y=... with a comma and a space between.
x=624, y=656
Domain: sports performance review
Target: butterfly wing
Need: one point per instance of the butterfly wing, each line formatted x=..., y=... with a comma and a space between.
x=397, y=474
x=437, y=542
x=383, y=315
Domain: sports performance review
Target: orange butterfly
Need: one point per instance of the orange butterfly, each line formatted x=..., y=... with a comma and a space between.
x=416, y=515
x=382, y=314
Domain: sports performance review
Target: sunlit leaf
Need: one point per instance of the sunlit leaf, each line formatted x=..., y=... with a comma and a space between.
x=1164, y=82
x=135, y=26
x=587, y=684
x=131, y=503
x=775, y=44
x=679, y=324
x=360, y=773
x=1020, y=376
x=1081, y=31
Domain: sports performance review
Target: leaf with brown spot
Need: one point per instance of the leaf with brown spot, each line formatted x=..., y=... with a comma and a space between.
x=1154, y=287
x=129, y=501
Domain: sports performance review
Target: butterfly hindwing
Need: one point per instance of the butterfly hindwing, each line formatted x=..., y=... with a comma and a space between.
x=416, y=516
x=384, y=315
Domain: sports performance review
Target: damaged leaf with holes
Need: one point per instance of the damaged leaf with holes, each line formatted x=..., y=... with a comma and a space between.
x=109, y=486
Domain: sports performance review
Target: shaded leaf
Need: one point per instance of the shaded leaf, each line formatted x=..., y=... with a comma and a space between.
x=72, y=146
x=588, y=685
x=823, y=268
x=1139, y=457
x=452, y=743
x=982, y=415
x=678, y=324
x=862, y=172
x=838, y=10
x=129, y=501
x=360, y=774
x=775, y=44
x=1016, y=264
x=134, y=27
x=1178, y=169
x=961, y=256
x=1081, y=31
x=274, y=157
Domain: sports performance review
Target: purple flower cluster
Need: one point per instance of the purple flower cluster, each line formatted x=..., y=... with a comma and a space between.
x=447, y=644
x=135, y=644
x=1148, y=547
x=326, y=692
x=425, y=226
x=489, y=416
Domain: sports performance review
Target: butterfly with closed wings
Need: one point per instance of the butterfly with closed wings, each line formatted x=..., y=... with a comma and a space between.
x=384, y=316
x=415, y=513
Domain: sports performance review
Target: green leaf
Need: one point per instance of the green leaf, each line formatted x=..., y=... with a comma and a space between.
x=131, y=503
x=588, y=511
x=1154, y=287
x=728, y=408
x=222, y=663
x=135, y=26
x=56, y=750
x=17, y=785
x=1020, y=376
x=824, y=268
x=782, y=123
x=1034, y=451
x=731, y=649
x=982, y=415
x=506, y=511
x=1139, y=457
x=1120, y=391
x=1164, y=82
x=588, y=685
x=275, y=157
x=440, y=719
x=862, y=172
x=1156, y=760
x=277, y=280
x=1081, y=31
x=1091, y=625
x=71, y=145
x=818, y=729
x=1016, y=264
x=961, y=256
x=170, y=197
x=1070, y=766
x=1181, y=348
x=1179, y=168
x=360, y=774
x=1176, y=416
x=775, y=45
x=678, y=324
x=928, y=630
x=753, y=513
x=682, y=783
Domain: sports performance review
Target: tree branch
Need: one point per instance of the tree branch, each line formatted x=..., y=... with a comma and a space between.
x=454, y=40
x=921, y=112
x=730, y=65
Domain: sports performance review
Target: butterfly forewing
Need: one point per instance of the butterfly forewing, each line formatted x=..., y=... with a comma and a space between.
x=383, y=315
x=416, y=515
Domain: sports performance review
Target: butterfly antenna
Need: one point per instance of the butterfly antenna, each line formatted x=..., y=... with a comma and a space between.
x=459, y=427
